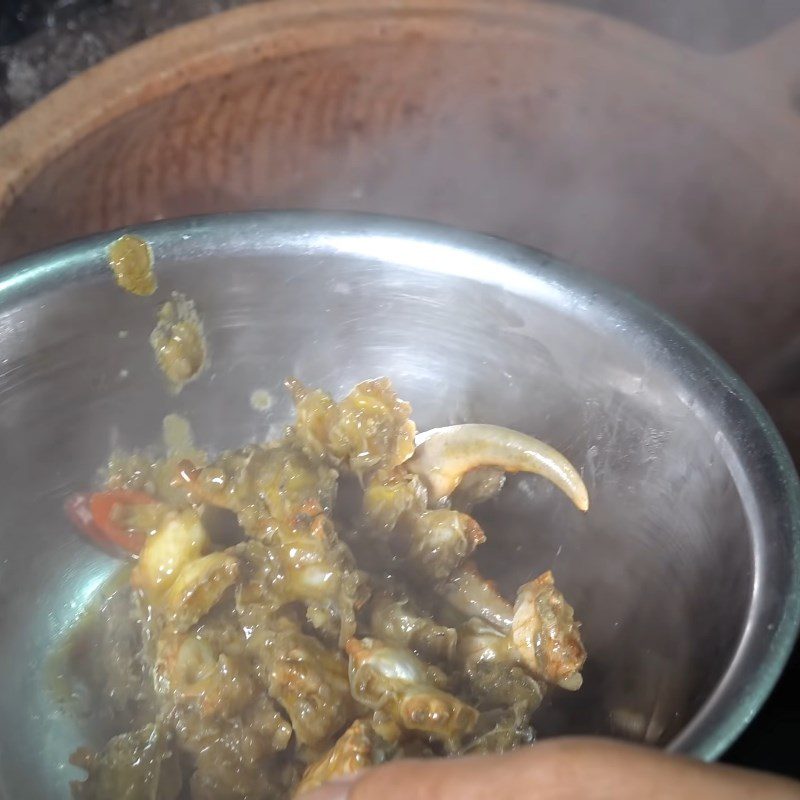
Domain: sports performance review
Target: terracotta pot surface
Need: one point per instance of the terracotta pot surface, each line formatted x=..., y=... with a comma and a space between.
x=675, y=174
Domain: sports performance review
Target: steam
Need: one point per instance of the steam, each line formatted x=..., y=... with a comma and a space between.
x=711, y=26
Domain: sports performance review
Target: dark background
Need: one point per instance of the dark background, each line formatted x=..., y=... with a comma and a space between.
x=45, y=42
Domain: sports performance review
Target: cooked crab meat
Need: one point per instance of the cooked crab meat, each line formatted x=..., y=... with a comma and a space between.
x=197, y=588
x=476, y=487
x=260, y=731
x=234, y=756
x=482, y=643
x=310, y=682
x=369, y=429
x=357, y=748
x=399, y=623
x=498, y=731
x=394, y=681
x=312, y=568
x=131, y=766
x=179, y=540
x=297, y=568
x=443, y=457
x=268, y=641
x=473, y=596
x=388, y=496
x=262, y=483
x=436, y=542
x=261, y=626
x=547, y=635
x=194, y=670
x=492, y=667
x=504, y=685
x=140, y=471
x=219, y=775
x=179, y=342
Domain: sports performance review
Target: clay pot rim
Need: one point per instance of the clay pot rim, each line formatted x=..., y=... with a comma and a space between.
x=213, y=46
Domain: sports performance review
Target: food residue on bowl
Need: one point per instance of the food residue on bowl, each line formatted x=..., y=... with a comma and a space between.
x=178, y=341
x=260, y=400
x=178, y=438
x=131, y=259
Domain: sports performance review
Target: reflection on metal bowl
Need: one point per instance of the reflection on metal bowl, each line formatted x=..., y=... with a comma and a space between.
x=684, y=572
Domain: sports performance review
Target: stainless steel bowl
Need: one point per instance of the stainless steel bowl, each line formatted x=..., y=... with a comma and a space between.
x=684, y=572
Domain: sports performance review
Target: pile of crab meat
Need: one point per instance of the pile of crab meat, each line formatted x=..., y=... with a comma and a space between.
x=287, y=638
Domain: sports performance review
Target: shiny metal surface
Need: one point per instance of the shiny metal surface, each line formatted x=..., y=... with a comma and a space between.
x=684, y=571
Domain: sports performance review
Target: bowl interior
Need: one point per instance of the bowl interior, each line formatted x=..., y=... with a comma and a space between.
x=586, y=129
x=680, y=572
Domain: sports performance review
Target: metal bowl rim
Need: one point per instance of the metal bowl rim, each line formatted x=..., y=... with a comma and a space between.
x=87, y=256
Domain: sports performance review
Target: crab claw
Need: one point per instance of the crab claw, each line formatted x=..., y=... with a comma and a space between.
x=444, y=456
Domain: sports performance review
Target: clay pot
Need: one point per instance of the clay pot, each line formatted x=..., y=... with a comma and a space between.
x=675, y=174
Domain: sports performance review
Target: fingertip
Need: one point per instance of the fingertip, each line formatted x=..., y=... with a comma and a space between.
x=338, y=789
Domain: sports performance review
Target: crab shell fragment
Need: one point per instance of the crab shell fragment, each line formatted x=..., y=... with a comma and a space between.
x=393, y=680
x=352, y=752
x=546, y=634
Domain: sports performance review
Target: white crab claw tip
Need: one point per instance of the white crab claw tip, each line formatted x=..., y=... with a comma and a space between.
x=444, y=455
